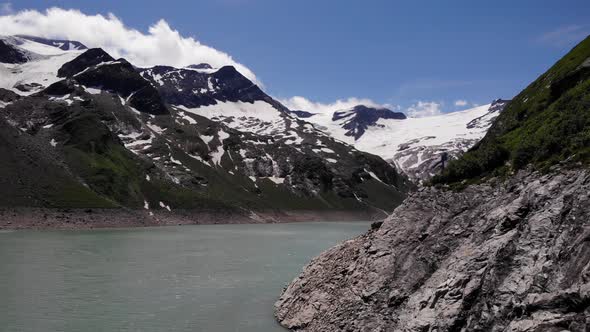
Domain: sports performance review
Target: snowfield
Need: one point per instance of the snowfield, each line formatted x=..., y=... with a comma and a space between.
x=258, y=117
x=414, y=145
x=388, y=135
x=46, y=61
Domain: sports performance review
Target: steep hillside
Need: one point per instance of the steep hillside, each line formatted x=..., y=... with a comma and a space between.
x=507, y=254
x=545, y=124
x=497, y=257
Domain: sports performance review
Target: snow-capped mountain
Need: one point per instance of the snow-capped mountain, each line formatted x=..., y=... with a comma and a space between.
x=419, y=147
x=168, y=139
x=223, y=94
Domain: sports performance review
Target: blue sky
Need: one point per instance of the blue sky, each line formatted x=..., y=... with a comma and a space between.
x=392, y=52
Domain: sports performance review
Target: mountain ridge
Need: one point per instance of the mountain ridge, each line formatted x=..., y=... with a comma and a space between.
x=134, y=139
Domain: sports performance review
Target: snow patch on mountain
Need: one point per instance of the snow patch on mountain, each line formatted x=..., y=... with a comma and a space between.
x=41, y=69
x=258, y=117
x=419, y=147
x=391, y=136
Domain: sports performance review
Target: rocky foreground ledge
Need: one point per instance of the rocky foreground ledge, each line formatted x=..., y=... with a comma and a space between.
x=503, y=256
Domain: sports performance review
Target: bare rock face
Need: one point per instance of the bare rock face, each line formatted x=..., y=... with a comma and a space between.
x=501, y=256
x=11, y=54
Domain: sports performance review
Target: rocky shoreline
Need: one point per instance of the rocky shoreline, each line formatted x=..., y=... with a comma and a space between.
x=45, y=218
x=509, y=255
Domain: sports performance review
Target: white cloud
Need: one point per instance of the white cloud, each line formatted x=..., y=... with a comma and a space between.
x=161, y=45
x=424, y=108
x=565, y=35
x=461, y=102
x=6, y=8
x=304, y=104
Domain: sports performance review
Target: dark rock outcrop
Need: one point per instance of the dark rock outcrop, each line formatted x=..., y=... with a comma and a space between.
x=28, y=87
x=302, y=114
x=11, y=54
x=500, y=256
x=361, y=117
x=233, y=86
x=59, y=88
x=96, y=68
x=487, y=119
x=8, y=96
x=88, y=59
x=194, y=89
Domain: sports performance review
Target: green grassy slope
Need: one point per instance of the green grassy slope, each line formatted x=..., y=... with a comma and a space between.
x=546, y=123
x=31, y=177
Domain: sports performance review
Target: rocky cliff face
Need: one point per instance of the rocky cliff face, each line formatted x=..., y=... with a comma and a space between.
x=510, y=252
x=508, y=255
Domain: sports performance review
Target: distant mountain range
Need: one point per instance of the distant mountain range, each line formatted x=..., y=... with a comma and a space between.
x=199, y=138
x=81, y=129
x=419, y=147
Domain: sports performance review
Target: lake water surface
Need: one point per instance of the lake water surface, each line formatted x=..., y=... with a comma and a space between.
x=186, y=278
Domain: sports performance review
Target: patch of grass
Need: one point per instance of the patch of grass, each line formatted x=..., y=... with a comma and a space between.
x=110, y=174
x=96, y=155
x=74, y=195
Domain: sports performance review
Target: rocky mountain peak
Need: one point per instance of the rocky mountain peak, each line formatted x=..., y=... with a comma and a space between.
x=97, y=69
x=193, y=88
x=90, y=58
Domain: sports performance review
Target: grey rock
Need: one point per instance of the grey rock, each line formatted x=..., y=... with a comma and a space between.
x=508, y=255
